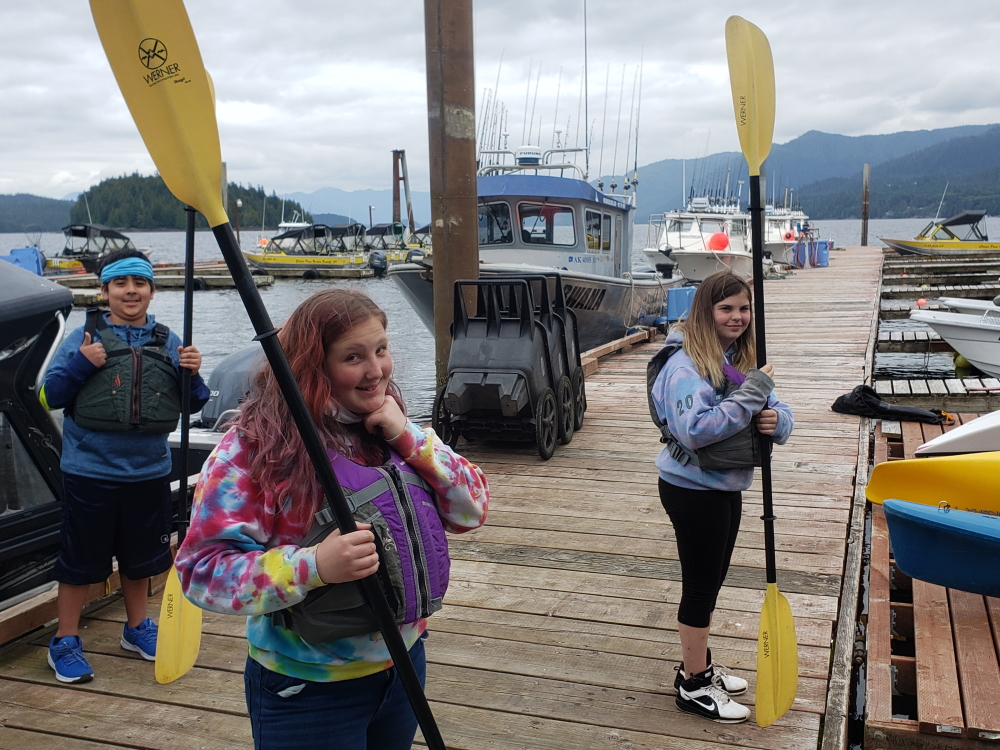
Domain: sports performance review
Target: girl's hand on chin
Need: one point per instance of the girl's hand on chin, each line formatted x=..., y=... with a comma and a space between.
x=388, y=417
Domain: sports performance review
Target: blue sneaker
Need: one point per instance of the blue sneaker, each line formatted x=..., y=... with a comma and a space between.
x=141, y=639
x=67, y=659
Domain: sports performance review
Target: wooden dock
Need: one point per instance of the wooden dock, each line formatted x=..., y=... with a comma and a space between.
x=559, y=631
x=953, y=394
x=933, y=664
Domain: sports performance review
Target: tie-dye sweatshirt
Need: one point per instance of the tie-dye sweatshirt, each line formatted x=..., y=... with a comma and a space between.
x=242, y=556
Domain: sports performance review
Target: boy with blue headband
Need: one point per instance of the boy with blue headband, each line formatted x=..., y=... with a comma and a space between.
x=118, y=380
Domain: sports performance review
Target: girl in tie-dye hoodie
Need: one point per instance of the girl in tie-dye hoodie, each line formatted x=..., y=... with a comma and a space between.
x=255, y=504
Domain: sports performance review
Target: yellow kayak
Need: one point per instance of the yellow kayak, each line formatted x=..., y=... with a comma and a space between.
x=968, y=482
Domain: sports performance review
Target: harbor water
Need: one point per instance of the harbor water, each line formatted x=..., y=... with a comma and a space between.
x=221, y=325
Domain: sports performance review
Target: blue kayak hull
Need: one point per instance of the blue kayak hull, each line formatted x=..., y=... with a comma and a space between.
x=952, y=548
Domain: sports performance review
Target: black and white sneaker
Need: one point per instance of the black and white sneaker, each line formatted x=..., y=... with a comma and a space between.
x=701, y=696
x=729, y=682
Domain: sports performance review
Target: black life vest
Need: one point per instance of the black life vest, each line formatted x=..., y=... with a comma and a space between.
x=739, y=451
x=136, y=388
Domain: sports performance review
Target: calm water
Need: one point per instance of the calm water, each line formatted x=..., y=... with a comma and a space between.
x=221, y=325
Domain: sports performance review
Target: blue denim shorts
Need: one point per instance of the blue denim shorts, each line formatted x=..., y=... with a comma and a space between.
x=101, y=519
x=367, y=713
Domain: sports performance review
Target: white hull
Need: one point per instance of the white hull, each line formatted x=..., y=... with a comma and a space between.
x=978, y=436
x=969, y=335
x=697, y=265
x=967, y=306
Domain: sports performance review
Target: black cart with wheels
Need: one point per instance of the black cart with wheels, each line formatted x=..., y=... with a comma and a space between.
x=514, y=357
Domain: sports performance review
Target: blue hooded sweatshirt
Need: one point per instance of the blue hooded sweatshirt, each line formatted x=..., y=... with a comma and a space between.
x=698, y=416
x=126, y=456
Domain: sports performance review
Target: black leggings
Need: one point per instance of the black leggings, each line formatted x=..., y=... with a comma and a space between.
x=705, y=523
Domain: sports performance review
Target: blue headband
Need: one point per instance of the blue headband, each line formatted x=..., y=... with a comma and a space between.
x=127, y=267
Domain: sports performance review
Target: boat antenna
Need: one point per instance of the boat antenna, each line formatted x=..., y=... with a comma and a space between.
x=586, y=99
x=555, y=117
x=483, y=113
x=604, y=125
x=628, y=142
x=638, y=109
x=90, y=219
x=534, y=101
x=942, y=201
x=683, y=180
x=618, y=127
x=579, y=111
x=527, y=95
x=263, y=211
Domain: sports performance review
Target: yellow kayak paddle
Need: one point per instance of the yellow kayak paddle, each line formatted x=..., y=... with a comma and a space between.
x=751, y=74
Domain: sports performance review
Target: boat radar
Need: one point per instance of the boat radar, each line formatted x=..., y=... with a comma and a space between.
x=526, y=156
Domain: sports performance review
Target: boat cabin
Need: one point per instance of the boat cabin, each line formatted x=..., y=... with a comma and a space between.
x=93, y=239
x=385, y=236
x=312, y=239
x=33, y=313
x=348, y=237
x=946, y=230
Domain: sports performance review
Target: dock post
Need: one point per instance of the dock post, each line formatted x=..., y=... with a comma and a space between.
x=865, y=184
x=451, y=126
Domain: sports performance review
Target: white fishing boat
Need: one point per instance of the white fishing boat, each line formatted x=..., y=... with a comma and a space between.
x=975, y=337
x=704, y=238
x=534, y=220
x=783, y=228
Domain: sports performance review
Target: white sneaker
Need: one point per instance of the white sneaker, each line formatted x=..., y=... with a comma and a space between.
x=701, y=695
x=729, y=682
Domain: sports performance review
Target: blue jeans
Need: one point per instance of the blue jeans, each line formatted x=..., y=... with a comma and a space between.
x=368, y=713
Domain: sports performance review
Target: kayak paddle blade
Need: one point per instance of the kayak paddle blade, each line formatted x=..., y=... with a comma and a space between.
x=751, y=76
x=156, y=61
x=966, y=482
x=179, y=639
x=777, y=658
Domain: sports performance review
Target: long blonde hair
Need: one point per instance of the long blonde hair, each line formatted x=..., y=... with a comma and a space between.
x=701, y=342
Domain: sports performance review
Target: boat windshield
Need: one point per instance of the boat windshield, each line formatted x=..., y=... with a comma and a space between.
x=494, y=224
x=712, y=225
x=679, y=225
x=545, y=224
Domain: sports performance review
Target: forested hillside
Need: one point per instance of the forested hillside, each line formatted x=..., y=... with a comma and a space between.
x=20, y=210
x=912, y=185
x=142, y=202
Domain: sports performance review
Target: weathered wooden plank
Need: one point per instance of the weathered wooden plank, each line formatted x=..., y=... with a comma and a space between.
x=18, y=739
x=978, y=672
x=939, y=708
x=879, y=689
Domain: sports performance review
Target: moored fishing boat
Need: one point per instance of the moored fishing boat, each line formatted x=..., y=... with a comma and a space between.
x=968, y=306
x=533, y=223
x=313, y=251
x=942, y=238
x=85, y=244
x=704, y=238
x=974, y=336
x=944, y=546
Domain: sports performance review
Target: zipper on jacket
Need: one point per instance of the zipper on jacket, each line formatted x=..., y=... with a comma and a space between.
x=136, y=386
x=405, y=505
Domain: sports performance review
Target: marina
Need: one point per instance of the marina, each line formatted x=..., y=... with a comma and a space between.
x=559, y=628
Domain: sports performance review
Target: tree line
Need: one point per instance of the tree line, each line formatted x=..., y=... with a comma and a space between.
x=143, y=202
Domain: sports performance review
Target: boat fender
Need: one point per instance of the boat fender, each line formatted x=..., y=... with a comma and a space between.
x=718, y=242
x=789, y=236
x=310, y=274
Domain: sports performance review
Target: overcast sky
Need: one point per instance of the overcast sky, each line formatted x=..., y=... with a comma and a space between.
x=315, y=93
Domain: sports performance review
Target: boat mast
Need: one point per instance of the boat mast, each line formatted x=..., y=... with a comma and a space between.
x=586, y=98
x=936, y=215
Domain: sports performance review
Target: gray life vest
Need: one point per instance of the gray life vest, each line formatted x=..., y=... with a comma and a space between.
x=739, y=451
x=136, y=388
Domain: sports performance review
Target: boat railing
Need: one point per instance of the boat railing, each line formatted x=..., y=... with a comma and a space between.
x=523, y=165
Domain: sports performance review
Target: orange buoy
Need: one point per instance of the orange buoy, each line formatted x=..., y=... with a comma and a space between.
x=718, y=241
x=789, y=236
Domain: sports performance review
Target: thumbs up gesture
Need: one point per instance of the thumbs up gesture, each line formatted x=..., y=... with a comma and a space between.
x=93, y=350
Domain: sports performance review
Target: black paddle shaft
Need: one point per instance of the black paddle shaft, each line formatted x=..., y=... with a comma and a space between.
x=267, y=335
x=757, y=237
x=182, y=490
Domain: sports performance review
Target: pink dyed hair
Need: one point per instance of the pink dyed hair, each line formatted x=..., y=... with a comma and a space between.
x=278, y=458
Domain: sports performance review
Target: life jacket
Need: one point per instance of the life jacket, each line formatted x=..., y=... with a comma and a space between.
x=739, y=451
x=135, y=389
x=412, y=549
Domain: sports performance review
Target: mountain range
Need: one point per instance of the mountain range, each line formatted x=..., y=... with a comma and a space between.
x=821, y=172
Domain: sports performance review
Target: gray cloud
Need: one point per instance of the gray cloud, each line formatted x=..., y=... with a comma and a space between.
x=313, y=94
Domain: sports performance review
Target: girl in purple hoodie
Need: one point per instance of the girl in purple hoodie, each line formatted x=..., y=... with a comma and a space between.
x=708, y=392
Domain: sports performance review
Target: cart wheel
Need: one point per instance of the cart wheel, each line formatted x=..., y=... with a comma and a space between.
x=546, y=424
x=441, y=420
x=567, y=409
x=579, y=398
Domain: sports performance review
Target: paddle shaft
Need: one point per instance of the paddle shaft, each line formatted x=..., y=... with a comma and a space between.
x=182, y=514
x=267, y=335
x=757, y=239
